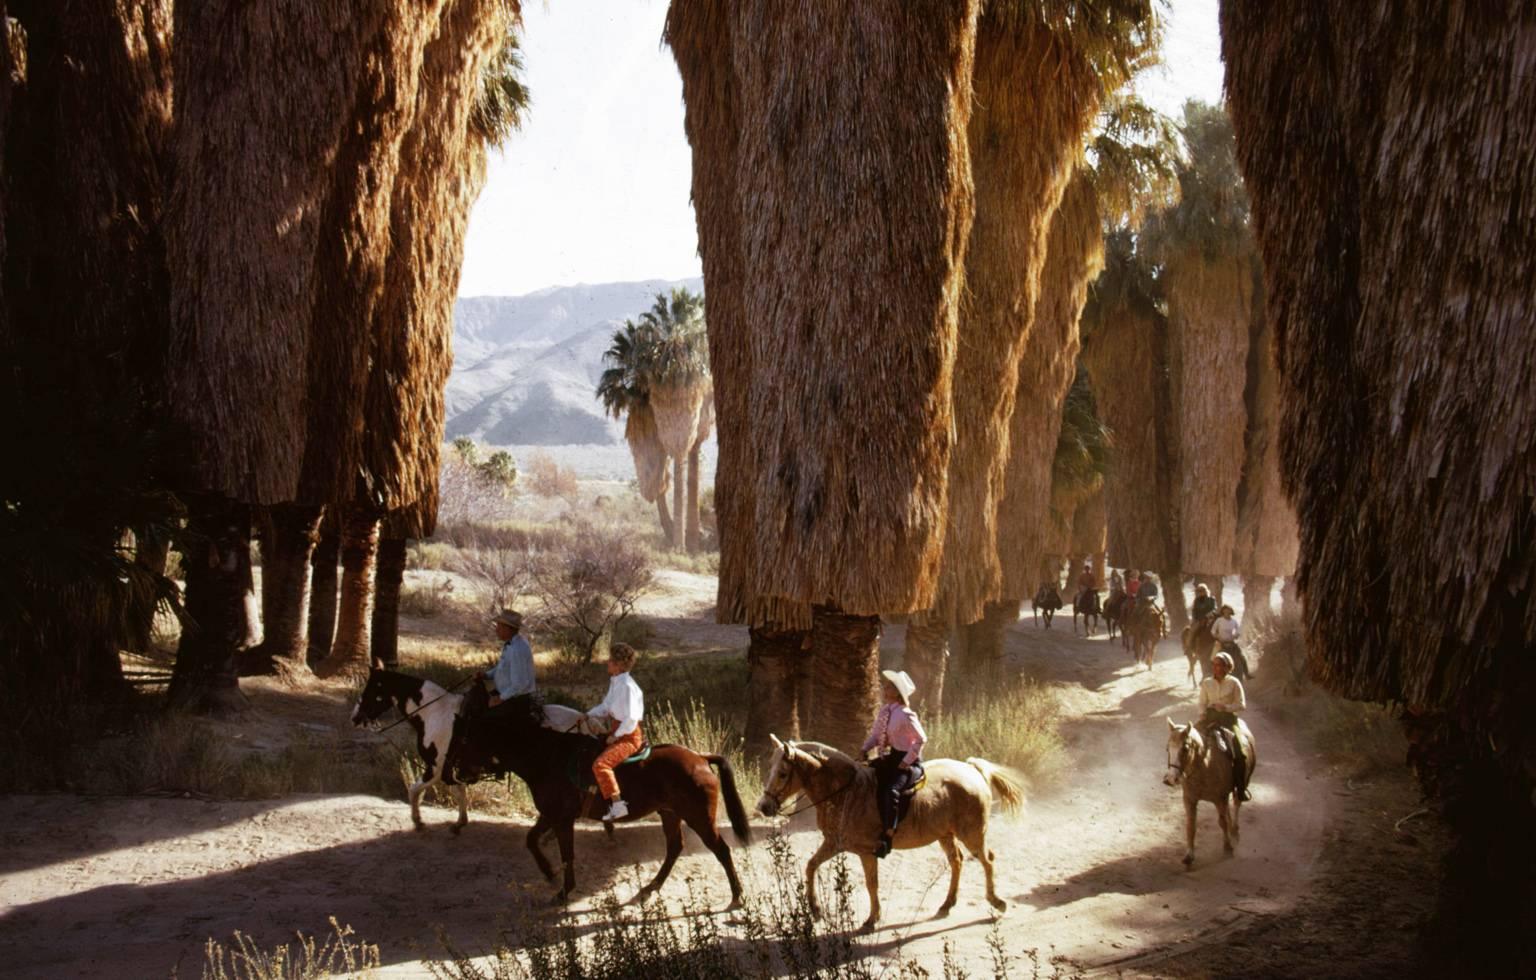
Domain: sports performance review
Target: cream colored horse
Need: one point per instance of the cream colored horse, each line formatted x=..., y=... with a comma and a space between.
x=1206, y=774
x=953, y=806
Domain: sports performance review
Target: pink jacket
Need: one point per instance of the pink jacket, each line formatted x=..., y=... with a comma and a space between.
x=896, y=725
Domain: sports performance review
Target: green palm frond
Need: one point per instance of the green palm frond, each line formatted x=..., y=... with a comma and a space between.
x=669, y=346
x=1212, y=213
x=1134, y=161
x=1082, y=449
x=502, y=102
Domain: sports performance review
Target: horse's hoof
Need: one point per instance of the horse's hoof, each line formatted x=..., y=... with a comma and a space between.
x=943, y=912
x=868, y=927
x=1228, y=850
x=733, y=907
x=998, y=904
x=418, y=826
x=561, y=898
x=457, y=829
x=1189, y=860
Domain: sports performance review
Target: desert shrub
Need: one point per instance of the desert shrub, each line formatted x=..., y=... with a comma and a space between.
x=499, y=568
x=470, y=490
x=1011, y=721
x=587, y=590
x=547, y=478
x=427, y=599
x=340, y=955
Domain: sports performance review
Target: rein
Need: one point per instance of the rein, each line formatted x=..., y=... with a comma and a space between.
x=814, y=803
x=408, y=715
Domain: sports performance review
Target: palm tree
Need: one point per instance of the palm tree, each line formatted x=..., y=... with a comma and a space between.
x=1391, y=203
x=658, y=378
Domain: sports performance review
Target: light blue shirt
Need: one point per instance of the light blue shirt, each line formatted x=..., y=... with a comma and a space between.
x=513, y=673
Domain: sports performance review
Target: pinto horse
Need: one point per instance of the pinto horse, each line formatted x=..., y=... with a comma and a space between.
x=673, y=782
x=951, y=808
x=431, y=711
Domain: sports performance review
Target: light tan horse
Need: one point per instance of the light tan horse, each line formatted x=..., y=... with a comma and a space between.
x=953, y=806
x=1206, y=773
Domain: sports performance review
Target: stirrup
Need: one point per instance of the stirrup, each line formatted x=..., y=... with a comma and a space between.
x=883, y=846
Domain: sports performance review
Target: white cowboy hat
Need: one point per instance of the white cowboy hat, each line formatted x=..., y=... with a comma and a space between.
x=509, y=617
x=1224, y=657
x=901, y=682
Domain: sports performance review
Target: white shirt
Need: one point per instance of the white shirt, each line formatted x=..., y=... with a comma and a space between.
x=1224, y=695
x=624, y=704
x=1225, y=629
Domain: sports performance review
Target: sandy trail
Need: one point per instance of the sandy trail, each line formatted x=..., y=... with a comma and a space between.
x=113, y=887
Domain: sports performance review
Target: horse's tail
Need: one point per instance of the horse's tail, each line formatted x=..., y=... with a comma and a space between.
x=1007, y=784
x=733, y=807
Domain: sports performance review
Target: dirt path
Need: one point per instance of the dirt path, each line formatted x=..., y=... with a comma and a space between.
x=113, y=887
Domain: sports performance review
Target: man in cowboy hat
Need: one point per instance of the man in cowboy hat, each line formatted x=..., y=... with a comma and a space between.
x=897, y=738
x=1222, y=699
x=513, y=674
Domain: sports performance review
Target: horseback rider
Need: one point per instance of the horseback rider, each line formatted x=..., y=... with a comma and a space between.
x=512, y=676
x=1204, y=604
x=1116, y=583
x=897, y=739
x=1146, y=595
x=1222, y=699
x=1132, y=587
x=1086, y=582
x=623, y=707
x=1226, y=630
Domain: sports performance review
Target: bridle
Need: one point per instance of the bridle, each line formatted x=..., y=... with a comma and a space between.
x=1179, y=765
x=813, y=803
x=408, y=715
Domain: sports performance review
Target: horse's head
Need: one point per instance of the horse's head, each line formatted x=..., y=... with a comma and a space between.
x=785, y=777
x=377, y=697
x=1184, y=745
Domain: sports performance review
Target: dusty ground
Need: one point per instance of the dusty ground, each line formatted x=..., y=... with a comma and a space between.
x=115, y=887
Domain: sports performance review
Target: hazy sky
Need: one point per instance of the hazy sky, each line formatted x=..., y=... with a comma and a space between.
x=595, y=187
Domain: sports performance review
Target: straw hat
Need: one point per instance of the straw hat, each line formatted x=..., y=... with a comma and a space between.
x=901, y=682
x=508, y=617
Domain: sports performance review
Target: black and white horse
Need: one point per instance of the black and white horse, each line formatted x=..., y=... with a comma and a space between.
x=431, y=712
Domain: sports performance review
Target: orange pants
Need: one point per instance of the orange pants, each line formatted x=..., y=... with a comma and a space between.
x=622, y=748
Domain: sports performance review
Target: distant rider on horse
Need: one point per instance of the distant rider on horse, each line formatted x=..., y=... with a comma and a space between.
x=1204, y=605
x=897, y=738
x=1086, y=582
x=1226, y=630
x=624, y=707
x=1146, y=596
x=1221, y=700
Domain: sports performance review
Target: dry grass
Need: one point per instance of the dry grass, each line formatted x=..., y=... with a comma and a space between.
x=338, y=955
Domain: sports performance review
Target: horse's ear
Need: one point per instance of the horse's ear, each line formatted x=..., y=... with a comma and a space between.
x=377, y=664
x=1172, y=725
x=775, y=740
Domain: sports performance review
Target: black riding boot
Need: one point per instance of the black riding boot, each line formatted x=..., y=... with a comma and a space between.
x=1239, y=772
x=892, y=780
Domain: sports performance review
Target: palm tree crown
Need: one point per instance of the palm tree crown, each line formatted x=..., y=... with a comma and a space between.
x=668, y=346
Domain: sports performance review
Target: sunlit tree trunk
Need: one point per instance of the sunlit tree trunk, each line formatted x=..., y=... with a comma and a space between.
x=679, y=501
x=692, y=537
x=324, y=588
x=667, y=528
x=218, y=570
x=388, y=580
x=354, y=611
x=287, y=546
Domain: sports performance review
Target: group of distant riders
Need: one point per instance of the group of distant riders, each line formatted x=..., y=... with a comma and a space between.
x=896, y=737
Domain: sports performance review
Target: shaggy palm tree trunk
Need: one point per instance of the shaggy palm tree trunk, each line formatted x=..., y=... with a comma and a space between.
x=384, y=639
x=692, y=538
x=981, y=642
x=218, y=570
x=292, y=531
x=925, y=659
x=325, y=585
x=845, y=668
x=354, y=611
x=1257, y=609
x=776, y=661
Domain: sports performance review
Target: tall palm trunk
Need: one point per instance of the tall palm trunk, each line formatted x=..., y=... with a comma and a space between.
x=1257, y=609
x=384, y=642
x=981, y=642
x=292, y=531
x=776, y=661
x=1173, y=600
x=218, y=570
x=678, y=502
x=325, y=583
x=667, y=527
x=692, y=537
x=925, y=658
x=354, y=611
x=845, y=668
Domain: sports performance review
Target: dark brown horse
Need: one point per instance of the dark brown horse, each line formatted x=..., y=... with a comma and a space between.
x=1199, y=644
x=1114, y=610
x=1086, y=604
x=674, y=782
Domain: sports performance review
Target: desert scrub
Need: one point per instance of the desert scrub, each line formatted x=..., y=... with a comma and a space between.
x=1011, y=721
x=341, y=954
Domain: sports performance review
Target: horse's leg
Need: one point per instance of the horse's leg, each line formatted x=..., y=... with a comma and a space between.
x=1237, y=808
x=1189, y=831
x=565, y=833
x=1224, y=818
x=823, y=853
x=672, y=828
x=534, y=833
x=460, y=796
x=872, y=885
x=951, y=851
x=705, y=828
x=417, y=791
x=976, y=843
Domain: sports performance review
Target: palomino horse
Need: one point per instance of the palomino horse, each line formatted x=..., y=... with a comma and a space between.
x=1207, y=774
x=1199, y=644
x=954, y=804
x=1144, y=627
x=430, y=711
x=673, y=782
x=1086, y=604
x=1047, y=601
